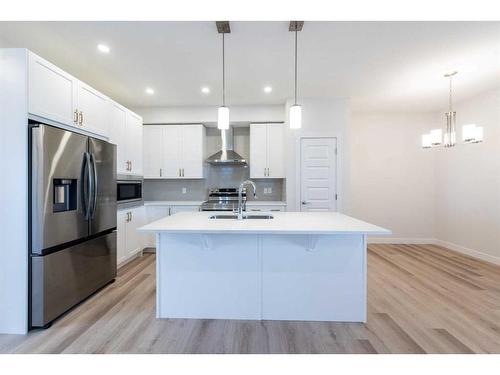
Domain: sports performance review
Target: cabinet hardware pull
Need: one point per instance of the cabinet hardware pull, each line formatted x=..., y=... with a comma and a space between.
x=182, y=172
x=80, y=118
x=130, y=165
x=75, y=116
x=160, y=172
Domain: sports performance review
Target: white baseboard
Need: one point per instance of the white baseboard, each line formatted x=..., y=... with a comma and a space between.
x=433, y=241
x=409, y=241
x=464, y=250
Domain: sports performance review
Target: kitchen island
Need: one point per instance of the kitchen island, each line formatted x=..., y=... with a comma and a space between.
x=293, y=266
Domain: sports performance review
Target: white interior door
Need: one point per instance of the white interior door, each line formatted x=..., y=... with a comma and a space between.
x=318, y=174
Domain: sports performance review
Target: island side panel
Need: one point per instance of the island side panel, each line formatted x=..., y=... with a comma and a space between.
x=208, y=276
x=314, y=277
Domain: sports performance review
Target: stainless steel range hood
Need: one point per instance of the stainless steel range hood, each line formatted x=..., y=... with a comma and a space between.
x=226, y=155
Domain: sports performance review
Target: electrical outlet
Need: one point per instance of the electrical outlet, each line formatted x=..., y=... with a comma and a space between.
x=184, y=190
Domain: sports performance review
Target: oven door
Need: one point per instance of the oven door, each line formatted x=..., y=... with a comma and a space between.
x=128, y=191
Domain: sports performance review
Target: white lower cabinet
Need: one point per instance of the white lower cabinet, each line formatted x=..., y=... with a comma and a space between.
x=267, y=208
x=130, y=241
x=154, y=213
x=157, y=212
x=176, y=209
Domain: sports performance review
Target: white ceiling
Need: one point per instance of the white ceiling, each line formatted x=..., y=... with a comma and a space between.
x=380, y=65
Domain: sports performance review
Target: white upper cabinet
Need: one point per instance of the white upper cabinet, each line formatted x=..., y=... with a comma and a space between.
x=174, y=151
x=125, y=130
x=153, y=158
x=133, y=143
x=117, y=134
x=170, y=149
x=51, y=91
x=193, y=151
x=56, y=95
x=267, y=151
x=92, y=110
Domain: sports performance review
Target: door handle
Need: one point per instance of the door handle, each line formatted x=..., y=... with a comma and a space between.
x=95, y=187
x=160, y=172
x=304, y=202
x=88, y=182
x=182, y=172
x=75, y=116
x=80, y=118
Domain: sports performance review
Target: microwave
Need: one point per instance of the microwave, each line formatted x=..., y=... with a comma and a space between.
x=128, y=190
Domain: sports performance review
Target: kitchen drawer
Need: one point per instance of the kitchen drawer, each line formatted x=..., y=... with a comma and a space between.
x=261, y=208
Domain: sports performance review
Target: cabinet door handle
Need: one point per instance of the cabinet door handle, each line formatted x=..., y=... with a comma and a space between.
x=75, y=116
x=182, y=172
x=180, y=175
x=131, y=216
x=160, y=172
x=80, y=118
x=130, y=165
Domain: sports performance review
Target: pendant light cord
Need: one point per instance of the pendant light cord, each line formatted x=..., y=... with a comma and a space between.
x=295, y=64
x=223, y=74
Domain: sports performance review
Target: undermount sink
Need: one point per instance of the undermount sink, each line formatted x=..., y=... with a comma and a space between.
x=245, y=216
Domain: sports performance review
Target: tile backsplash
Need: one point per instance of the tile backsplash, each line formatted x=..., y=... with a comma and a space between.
x=218, y=176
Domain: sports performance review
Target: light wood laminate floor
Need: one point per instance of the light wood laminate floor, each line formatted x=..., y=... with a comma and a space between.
x=421, y=299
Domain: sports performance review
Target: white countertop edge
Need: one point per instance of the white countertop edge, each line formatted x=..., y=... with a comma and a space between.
x=260, y=231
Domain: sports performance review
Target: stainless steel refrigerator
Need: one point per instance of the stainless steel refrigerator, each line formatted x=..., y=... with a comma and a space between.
x=72, y=220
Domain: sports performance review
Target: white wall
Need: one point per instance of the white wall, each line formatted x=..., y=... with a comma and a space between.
x=468, y=182
x=320, y=117
x=208, y=114
x=392, y=177
x=13, y=191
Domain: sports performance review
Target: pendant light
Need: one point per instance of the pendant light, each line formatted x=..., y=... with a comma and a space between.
x=450, y=135
x=295, y=115
x=223, y=111
x=470, y=133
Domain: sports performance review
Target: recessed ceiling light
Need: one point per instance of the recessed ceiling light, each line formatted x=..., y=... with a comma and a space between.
x=149, y=91
x=103, y=48
x=205, y=90
x=268, y=89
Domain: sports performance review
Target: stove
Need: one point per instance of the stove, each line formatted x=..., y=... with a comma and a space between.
x=223, y=199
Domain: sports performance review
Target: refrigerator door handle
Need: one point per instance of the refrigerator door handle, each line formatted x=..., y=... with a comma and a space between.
x=94, y=185
x=86, y=185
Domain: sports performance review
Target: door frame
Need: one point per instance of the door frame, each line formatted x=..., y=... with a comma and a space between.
x=298, y=181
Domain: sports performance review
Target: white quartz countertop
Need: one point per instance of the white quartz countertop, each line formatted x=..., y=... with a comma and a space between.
x=173, y=203
x=282, y=223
